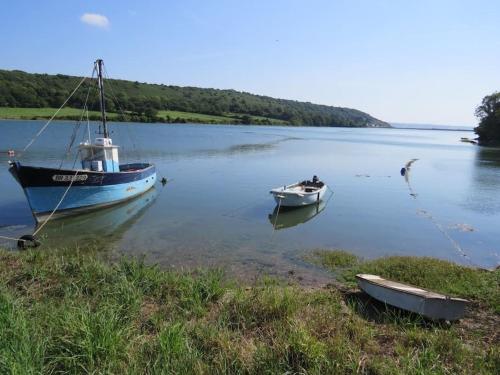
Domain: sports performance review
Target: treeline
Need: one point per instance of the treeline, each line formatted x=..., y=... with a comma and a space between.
x=142, y=101
x=488, y=112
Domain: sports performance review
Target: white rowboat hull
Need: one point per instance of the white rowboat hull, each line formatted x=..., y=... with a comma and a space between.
x=286, y=198
x=420, y=301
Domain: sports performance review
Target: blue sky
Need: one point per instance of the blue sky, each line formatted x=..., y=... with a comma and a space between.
x=401, y=61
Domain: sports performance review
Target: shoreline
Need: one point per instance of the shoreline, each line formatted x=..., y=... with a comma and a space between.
x=74, y=309
x=113, y=121
x=202, y=123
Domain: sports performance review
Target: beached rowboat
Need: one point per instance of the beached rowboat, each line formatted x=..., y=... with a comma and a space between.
x=300, y=193
x=426, y=303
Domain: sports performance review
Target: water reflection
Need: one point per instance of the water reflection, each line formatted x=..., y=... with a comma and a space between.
x=488, y=157
x=288, y=217
x=103, y=226
x=485, y=183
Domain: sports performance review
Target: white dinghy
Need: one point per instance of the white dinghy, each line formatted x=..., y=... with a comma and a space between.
x=300, y=193
x=407, y=297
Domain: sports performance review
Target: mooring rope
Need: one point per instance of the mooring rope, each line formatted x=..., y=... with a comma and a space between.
x=11, y=238
x=57, y=206
x=277, y=214
x=456, y=246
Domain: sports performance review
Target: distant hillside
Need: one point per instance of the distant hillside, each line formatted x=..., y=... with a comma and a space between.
x=153, y=102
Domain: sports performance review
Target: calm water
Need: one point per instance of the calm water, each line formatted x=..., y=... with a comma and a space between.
x=216, y=209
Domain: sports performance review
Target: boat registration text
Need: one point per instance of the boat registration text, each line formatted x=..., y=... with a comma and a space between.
x=69, y=177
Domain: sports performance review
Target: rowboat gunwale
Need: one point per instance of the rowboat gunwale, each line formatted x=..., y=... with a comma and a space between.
x=283, y=190
x=427, y=294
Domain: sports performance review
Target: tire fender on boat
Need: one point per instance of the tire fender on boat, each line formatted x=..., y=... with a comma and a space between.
x=27, y=241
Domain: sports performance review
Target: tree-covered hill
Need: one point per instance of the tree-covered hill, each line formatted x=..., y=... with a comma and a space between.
x=147, y=102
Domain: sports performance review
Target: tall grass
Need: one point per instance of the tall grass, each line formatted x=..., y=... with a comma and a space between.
x=73, y=311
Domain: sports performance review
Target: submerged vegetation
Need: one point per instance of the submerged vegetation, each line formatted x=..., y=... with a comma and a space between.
x=73, y=311
x=143, y=102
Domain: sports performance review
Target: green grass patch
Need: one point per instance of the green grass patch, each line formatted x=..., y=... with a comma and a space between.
x=45, y=113
x=334, y=259
x=67, y=113
x=196, y=117
x=228, y=118
x=254, y=118
x=75, y=311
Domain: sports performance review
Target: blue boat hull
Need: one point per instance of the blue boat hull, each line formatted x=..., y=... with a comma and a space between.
x=45, y=187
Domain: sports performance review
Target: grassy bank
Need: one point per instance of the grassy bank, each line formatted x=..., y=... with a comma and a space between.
x=72, y=311
x=161, y=116
x=480, y=286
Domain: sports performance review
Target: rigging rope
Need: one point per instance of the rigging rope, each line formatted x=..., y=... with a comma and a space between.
x=122, y=112
x=53, y=116
x=72, y=140
x=78, y=124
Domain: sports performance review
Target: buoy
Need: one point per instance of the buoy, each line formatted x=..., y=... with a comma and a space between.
x=27, y=241
x=403, y=171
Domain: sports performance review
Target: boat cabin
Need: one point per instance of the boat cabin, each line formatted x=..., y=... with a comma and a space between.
x=101, y=156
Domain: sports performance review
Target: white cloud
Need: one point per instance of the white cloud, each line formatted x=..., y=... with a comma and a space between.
x=94, y=19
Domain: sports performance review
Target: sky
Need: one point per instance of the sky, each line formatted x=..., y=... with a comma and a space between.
x=427, y=62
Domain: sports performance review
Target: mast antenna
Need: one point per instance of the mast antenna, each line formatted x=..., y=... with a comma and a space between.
x=99, y=66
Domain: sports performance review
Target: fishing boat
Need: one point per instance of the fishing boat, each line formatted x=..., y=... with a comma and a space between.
x=411, y=298
x=300, y=193
x=100, y=182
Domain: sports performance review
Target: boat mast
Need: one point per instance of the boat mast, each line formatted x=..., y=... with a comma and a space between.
x=99, y=66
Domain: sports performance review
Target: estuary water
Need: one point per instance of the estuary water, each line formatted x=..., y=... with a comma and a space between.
x=216, y=209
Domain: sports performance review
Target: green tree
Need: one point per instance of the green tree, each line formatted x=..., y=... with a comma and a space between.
x=150, y=113
x=489, y=120
x=245, y=119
